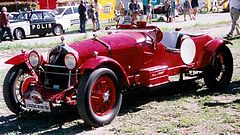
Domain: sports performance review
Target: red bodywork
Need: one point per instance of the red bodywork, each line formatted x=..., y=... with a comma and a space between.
x=134, y=55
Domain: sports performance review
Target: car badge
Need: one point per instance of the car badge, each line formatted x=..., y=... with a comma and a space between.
x=36, y=97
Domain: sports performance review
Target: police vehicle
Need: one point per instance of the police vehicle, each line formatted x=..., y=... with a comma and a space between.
x=37, y=22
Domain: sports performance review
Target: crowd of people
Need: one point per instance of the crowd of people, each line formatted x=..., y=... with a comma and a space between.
x=134, y=12
x=92, y=13
x=190, y=7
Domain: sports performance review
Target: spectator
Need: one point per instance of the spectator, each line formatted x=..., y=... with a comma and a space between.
x=121, y=7
x=173, y=7
x=131, y=7
x=194, y=5
x=136, y=11
x=91, y=15
x=149, y=9
x=82, y=16
x=168, y=9
x=234, y=12
x=187, y=9
x=171, y=10
x=96, y=6
x=4, y=24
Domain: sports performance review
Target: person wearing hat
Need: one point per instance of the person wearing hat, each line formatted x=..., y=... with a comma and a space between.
x=4, y=24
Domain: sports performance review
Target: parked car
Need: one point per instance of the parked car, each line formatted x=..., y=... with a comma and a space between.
x=37, y=22
x=92, y=74
x=68, y=12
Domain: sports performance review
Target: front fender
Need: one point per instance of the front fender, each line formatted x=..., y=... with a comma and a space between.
x=208, y=51
x=98, y=61
x=16, y=60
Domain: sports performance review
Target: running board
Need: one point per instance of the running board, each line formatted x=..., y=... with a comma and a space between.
x=153, y=76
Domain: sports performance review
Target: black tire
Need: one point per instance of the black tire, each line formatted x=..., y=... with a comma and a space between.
x=18, y=34
x=204, y=10
x=86, y=104
x=218, y=73
x=215, y=9
x=42, y=34
x=58, y=30
x=11, y=89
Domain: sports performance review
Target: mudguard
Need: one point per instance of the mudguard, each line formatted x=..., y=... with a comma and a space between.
x=16, y=60
x=95, y=62
x=209, y=50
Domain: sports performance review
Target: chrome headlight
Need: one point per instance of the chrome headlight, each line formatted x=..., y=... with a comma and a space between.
x=70, y=61
x=34, y=59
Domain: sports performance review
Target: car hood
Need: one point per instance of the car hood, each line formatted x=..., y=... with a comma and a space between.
x=119, y=43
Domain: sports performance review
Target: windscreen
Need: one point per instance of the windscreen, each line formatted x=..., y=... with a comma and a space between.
x=23, y=16
x=59, y=11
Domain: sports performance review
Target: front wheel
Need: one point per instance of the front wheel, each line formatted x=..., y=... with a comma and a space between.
x=98, y=97
x=219, y=72
x=18, y=34
x=13, y=95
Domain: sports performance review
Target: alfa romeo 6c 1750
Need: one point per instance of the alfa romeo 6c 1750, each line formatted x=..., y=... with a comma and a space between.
x=92, y=74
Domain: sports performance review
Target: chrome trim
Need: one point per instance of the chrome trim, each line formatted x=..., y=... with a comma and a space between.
x=69, y=78
x=57, y=66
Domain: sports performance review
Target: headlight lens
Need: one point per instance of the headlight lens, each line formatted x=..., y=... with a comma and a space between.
x=70, y=61
x=34, y=59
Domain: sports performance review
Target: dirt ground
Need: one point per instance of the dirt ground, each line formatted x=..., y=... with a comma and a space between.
x=189, y=108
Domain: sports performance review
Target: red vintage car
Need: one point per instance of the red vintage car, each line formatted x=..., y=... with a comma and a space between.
x=92, y=74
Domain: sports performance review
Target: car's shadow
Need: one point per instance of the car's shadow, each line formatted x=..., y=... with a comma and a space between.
x=66, y=120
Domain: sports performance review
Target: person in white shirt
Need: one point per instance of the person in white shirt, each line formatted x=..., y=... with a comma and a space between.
x=96, y=6
x=234, y=6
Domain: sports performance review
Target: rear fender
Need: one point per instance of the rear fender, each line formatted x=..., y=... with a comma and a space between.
x=209, y=50
x=17, y=60
x=99, y=61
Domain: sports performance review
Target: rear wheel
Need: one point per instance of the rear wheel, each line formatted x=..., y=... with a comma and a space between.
x=58, y=30
x=98, y=97
x=18, y=34
x=219, y=72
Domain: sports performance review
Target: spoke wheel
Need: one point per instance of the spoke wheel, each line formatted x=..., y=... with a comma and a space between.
x=12, y=92
x=219, y=72
x=98, y=97
x=103, y=96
